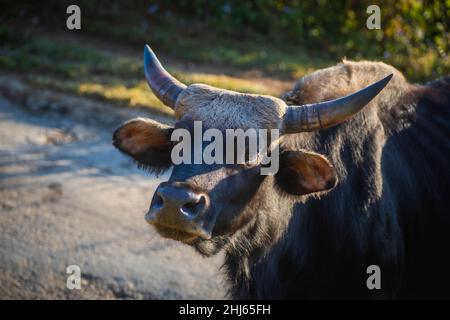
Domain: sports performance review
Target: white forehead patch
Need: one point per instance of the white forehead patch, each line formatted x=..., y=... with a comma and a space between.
x=224, y=109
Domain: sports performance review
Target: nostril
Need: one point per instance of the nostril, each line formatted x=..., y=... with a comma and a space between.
x=202, y=200
x=157, y=202
x=194, y=207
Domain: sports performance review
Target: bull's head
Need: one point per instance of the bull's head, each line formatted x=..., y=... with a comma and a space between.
x=205, y=204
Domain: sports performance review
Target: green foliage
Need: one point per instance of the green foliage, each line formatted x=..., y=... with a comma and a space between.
x=414, y=34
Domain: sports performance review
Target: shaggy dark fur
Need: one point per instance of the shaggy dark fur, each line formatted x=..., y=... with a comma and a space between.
x=390, y=208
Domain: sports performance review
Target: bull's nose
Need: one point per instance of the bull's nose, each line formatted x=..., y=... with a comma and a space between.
x=181, y=199
x=178, y=206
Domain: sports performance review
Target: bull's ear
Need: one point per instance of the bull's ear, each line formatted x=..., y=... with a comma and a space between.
x=146, y=141
x=303, y=172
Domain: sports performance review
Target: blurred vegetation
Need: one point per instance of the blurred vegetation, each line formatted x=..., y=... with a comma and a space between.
x=95, y=72
x=281, y=38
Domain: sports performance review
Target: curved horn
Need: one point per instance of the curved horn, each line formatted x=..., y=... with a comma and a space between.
x=321, y=115
x=163, y=85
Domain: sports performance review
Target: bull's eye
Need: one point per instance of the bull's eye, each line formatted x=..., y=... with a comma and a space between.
x=245, y=157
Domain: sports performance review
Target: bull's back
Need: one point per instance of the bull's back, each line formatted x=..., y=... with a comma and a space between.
x=415, y=172
x=410, y=126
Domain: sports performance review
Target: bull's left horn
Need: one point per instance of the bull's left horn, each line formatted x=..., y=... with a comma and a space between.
x=163, y=85
x=317, y=116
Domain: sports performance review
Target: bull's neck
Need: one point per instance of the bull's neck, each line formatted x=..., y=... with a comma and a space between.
x=249, y=246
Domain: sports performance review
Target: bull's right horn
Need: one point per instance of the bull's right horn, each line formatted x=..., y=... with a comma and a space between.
x=165, y=87
x=322, y=115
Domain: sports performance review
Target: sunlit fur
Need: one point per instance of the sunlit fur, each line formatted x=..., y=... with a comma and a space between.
x=224, y=109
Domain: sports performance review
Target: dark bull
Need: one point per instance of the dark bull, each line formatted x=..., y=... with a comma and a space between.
x=339, y=201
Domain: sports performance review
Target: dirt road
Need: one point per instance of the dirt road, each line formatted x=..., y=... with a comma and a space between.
x=67, y=197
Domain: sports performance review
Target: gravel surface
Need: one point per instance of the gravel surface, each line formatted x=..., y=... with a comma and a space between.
x=67, y=197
